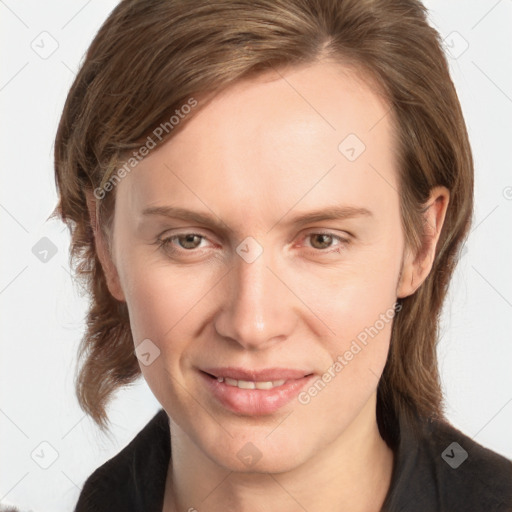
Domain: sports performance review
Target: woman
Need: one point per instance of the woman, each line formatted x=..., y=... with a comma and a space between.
x=266, y=200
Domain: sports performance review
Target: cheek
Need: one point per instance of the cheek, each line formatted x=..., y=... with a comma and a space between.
x=357, y=356
x=355, y=297
x=359, y=308
x=165, y=300
x=158, y=298
x=164, y=305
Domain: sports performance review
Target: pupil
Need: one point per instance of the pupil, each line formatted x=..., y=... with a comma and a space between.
x=189, y=239
x=328, y=237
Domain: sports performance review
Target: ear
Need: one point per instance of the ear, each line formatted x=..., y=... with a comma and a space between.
x=416, y=267
x=107, y=264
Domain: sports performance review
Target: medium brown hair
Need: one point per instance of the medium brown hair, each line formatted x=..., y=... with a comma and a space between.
x=150, y=57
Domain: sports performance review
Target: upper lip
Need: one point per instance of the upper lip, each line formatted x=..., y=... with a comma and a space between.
x=264, y=375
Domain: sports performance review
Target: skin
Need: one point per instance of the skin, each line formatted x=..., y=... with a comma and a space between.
x=263, y=151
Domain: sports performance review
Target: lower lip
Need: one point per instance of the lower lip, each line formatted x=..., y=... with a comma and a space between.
x=254, y=402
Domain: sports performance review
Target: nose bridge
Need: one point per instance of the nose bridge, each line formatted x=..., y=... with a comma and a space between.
x=258, y=309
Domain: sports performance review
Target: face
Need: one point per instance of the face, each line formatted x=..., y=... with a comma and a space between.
x=255, y=294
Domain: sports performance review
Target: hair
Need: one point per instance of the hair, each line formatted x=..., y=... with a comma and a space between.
x=147, y=61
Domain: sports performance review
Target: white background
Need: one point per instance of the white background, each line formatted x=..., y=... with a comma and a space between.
x=43, y=313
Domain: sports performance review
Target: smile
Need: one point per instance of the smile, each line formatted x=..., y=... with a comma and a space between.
x=254, y=393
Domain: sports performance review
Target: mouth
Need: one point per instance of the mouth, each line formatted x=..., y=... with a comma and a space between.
x=254, y=392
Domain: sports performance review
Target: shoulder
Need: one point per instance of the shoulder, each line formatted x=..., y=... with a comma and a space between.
x=439, y=468
x=467, y=473
x=124, y=482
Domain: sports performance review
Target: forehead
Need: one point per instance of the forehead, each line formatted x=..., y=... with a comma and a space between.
x=317, y=133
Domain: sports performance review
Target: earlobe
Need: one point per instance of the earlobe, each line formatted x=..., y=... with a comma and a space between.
x=102, y=251
x=405, y=285
x=417, y=266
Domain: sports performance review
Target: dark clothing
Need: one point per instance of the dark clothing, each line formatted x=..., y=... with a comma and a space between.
x=436, y=469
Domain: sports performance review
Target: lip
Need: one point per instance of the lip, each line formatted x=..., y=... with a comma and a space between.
x=255, y=402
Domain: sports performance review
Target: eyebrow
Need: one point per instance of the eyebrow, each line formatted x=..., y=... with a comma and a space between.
x=321, y=214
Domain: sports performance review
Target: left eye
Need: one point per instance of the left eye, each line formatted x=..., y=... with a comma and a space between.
x=325, y=238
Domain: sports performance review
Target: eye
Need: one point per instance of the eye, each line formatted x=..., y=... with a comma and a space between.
x=324, y=240
x=183, y=243
x=187, y=242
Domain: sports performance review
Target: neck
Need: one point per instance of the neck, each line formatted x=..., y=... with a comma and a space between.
x=353, y=473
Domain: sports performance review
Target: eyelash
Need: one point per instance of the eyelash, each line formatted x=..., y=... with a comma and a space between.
x=165, y=243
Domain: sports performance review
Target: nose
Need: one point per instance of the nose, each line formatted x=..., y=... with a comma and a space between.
x=259, y=310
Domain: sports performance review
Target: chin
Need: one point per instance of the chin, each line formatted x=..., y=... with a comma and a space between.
x=256, y=452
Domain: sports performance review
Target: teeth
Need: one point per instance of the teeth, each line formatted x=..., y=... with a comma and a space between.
x=247, y=384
